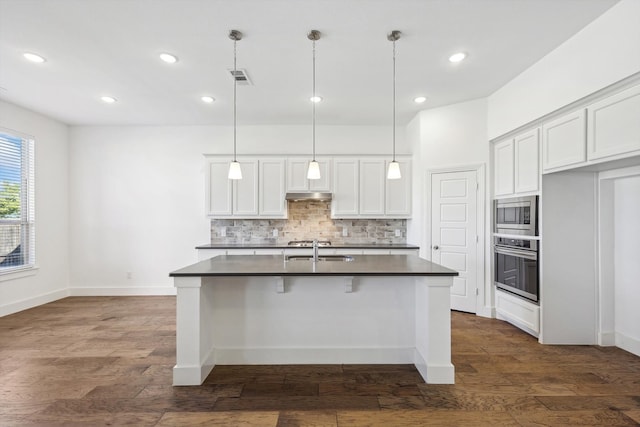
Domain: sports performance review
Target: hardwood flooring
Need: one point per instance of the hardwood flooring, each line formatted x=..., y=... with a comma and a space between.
x=90, y=361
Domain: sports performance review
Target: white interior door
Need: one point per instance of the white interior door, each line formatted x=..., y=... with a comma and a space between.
x=454, y=232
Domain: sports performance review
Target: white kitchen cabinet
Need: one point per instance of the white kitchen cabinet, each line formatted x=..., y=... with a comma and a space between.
x=259, y=194
x=503, y=168
x=613, y=125
x=526, y=162
x=564, y=141
x=297, y=175
x=245, y=190
x=345, y=188
x=372, y=186
x=271, y=194
x=398, y=191
x=516, y=164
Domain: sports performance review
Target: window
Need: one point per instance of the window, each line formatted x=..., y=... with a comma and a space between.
x=17, y=225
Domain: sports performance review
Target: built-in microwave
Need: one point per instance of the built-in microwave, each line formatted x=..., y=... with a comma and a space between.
x=517, y=215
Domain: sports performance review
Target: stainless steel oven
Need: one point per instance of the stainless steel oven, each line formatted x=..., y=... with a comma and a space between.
x=516, y=267
x=516, y=215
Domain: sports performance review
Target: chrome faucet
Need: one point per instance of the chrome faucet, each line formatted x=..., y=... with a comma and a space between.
x=315, y=250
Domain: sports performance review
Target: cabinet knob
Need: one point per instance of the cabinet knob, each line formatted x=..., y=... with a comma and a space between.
x=436, y=247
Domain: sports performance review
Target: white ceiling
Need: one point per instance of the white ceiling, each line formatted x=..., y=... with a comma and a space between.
x=100, y=47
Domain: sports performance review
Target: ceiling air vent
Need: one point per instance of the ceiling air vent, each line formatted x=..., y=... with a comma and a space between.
x=241, y=76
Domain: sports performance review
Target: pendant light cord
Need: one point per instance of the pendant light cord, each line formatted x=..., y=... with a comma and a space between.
x=235, y=83
x=313, y=121
x=394, y=100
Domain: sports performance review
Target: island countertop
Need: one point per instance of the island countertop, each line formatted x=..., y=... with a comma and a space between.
x=285, y=246
x=276, y=265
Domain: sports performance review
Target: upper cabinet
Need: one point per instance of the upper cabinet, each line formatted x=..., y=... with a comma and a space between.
x=297, y=175
x=563, y=141
x=613, y=125
x=362, y=190
x=516, y=164
x=259, y=194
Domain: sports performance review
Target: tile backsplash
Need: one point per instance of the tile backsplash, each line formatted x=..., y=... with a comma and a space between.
x=308, y=220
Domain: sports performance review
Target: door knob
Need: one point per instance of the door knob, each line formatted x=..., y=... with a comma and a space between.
x=436, y=247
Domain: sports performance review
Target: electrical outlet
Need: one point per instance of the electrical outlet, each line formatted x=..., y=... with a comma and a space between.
x=398, y=233
x=275, y=232
x=129, y=275
x=345, y=232
x=223, y=231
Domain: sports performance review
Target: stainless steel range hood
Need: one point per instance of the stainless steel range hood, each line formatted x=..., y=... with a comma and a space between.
x=307, y=196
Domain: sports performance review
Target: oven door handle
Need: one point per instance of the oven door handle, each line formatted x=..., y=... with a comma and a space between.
x=516, y=252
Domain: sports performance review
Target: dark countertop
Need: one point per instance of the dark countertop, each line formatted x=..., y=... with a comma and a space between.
x=275, y=265
x=285, y=246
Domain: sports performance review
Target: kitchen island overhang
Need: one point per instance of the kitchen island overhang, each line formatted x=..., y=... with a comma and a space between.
x=263, y=309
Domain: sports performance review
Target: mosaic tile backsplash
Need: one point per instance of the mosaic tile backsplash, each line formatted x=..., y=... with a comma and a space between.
x=308, y=220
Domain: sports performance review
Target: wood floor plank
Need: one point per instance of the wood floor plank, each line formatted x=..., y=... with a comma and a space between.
x=109, y=361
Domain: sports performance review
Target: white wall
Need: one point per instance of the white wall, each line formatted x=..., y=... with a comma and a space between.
x=626, y=265
x=450, y=137
x=602, y=53
x=51, y=280
x=137, y=194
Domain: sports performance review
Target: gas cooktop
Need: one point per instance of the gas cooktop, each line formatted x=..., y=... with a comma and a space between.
x=304, y=243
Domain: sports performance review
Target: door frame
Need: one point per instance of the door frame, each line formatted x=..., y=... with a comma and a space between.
x=485, y=293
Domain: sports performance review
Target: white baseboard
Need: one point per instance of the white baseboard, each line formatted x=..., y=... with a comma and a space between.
x=116, y=292
x=630, y=344
x=27, y=303
x=607, y=339
x=485, y=311
x=302, y=356
x=434, y=374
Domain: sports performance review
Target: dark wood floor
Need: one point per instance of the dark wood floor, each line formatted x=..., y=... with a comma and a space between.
x=107, y=361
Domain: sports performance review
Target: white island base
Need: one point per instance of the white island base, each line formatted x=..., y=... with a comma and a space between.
x=313, y=320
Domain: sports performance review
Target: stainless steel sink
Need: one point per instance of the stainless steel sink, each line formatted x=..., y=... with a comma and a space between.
x=343, y=258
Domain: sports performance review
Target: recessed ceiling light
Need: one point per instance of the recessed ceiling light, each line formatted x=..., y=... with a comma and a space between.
x=419, y=99
x=208, y=99
x=315, y=99
x=33, y=57
x=169, y=58
x=457, y=57
x=108, y=99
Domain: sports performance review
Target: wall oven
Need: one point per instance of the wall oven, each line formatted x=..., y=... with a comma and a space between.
x=516, y=266
x=516, y=215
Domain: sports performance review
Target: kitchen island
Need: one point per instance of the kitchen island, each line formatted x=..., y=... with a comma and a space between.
x=267, y=309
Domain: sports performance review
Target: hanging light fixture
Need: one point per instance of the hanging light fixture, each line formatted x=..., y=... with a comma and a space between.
x=394, y=167
x=235, y=172
x=314, y=166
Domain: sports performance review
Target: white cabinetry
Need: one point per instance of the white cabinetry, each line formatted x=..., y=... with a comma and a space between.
x=564, y=141
x=372, y=186
x=503, y=168
x=516, y=164
x=345, y=188
x=259, y=194
x=614, y=125
x=361, y=189
x=297, y=175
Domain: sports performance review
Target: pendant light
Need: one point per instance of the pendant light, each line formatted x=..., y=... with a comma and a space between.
x=394, y=167
x=234, y=167
x=314, y=166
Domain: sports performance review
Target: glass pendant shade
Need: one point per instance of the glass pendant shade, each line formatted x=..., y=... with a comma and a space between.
x=234, y=170
x=314, y=170
x=394, y=170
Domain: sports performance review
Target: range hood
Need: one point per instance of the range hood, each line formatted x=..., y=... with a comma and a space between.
x=307, y=196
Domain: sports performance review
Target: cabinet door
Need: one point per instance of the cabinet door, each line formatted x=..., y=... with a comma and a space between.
x=398, y=191
x=564, y=141
x=218, y=187
x=297, y=175
x=527, y=169
x=372, y=186
x=345, y=188
x=503, y=168
x=272, y=190
x=614, y=125
x=245, y=190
